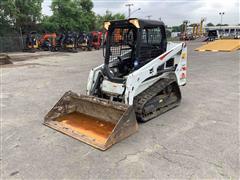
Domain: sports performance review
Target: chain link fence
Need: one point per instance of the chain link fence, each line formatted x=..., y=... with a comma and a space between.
x=12, y=43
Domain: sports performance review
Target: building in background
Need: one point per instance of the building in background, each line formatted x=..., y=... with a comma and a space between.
x=232, y=31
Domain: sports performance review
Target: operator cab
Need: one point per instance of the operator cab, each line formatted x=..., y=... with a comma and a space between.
x=130, y=44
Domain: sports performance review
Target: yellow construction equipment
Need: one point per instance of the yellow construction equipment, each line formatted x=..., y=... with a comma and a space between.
x=198, y=29
x=225, y=45
x=201, y=30
x=194, y=29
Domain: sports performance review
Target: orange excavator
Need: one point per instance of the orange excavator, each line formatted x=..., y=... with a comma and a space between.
x=48, y=41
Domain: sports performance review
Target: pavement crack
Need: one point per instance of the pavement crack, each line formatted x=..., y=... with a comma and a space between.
x=183, y=154
x=169, y=160
x=127, y=156
x=89, y=152
x=63, y=147
x=14, y=173
x=191, y=175
x=219, y=168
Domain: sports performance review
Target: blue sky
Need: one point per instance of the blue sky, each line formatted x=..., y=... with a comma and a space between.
x=172, y=12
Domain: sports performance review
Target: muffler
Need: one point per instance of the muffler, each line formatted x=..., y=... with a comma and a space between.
x=97, y=122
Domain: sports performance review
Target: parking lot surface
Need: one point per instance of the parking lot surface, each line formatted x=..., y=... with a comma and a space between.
x=198, y=139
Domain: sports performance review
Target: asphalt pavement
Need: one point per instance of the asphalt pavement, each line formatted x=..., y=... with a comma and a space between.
x=198, y=139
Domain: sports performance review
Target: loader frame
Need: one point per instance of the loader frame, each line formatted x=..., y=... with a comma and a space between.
x=147, y=75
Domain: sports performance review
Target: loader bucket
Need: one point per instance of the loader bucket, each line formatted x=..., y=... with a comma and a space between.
x=97, y=122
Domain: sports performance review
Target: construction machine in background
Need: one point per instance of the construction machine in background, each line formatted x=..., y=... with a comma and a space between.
x=139, y=80
x=48, y=41
x=32, y=42
x=58, y=43
x=89, y=41
x=83, y=42
x=198, y=29
x=96, y=39
x=185, y=34
x=70, y=42
x=195, y=30
x=212, y=35
x=201, y=29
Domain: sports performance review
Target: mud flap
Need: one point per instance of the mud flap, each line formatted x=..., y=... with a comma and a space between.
x=97, y=122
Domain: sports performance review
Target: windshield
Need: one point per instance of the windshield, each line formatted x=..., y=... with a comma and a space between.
x=121, y=43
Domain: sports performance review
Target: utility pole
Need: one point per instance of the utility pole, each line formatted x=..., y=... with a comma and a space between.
x=149, y=16
x=129, y=9
x=221, y=14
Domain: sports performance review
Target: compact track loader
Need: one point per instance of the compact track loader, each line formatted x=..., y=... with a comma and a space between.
x=139, y=80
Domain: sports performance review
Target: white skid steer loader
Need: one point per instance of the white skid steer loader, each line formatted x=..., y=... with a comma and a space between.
x=139, y=80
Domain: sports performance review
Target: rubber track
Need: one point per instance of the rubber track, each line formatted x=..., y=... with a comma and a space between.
x=144, y=97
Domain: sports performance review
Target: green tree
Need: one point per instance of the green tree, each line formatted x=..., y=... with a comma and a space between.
x=176, y=29
x=70, y=15
x=4, y=24
x=179, y=28
x=21, y=13
x=88, y=16
x=191, y=25
x=48, y=24
x=222, y=25
x=210, y=24
x=107, y=17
